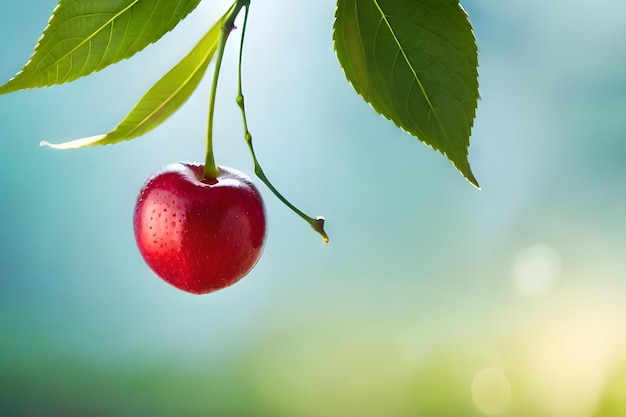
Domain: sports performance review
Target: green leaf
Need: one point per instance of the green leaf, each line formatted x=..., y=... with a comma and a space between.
x=163, y=99
x=415, y=62
x=84, y=36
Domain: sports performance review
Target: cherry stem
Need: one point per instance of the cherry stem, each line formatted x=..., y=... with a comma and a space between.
x=210, y=168
x=316, y=223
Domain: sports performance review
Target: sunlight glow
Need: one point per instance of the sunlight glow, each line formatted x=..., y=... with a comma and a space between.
x=570, y=359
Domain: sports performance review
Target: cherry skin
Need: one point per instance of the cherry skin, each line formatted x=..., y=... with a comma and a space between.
x=199, y=235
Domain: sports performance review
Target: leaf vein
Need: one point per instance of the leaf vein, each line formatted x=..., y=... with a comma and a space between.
x=86, y=40
x=147, y=24
x=445, y=17
x=398, y=44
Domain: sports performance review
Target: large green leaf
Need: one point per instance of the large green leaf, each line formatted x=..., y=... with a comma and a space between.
x=163, y=99
x=415, y=62
x=84, y=36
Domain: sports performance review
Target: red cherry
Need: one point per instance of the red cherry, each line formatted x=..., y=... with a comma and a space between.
x=200, y=235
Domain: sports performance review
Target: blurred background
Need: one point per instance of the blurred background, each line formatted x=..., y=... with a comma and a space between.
x=432, y=298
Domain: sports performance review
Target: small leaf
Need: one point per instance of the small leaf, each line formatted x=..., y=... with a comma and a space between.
x=162, y=100
x=415, y=62
x=84, y=36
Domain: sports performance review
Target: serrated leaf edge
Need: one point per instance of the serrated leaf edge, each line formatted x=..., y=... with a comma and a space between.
x=7, y=86
x=465, y=171
x=106, y=139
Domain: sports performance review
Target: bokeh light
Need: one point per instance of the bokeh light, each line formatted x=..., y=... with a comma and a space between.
x=536, y=269
x=491, y=391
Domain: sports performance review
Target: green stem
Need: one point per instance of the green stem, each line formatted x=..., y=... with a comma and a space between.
x=316, y=223
x=210, y=168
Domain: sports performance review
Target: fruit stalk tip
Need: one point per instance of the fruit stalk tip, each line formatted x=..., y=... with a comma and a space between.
x=318, y=226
